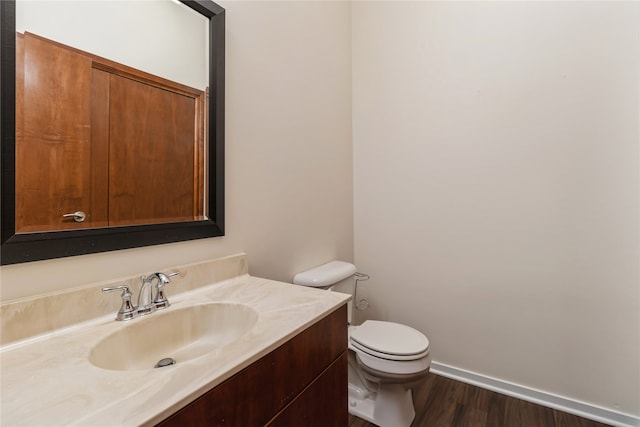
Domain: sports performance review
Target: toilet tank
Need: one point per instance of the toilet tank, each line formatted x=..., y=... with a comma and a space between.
x=325, y=275
x=335, y=276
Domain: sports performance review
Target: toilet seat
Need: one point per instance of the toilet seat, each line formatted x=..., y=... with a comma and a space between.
x=389, y=340
x=387, y=356
x=390, y=347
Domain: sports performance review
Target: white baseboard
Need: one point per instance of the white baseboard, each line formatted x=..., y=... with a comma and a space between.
x=575, y=407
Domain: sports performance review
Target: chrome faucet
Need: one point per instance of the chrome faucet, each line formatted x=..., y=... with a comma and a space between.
x=146, y=302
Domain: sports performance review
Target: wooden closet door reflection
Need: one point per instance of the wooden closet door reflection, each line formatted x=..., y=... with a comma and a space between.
x=53, y=145
x=152, y=143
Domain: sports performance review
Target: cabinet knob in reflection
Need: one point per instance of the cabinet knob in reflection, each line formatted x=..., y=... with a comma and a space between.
x=77, y=216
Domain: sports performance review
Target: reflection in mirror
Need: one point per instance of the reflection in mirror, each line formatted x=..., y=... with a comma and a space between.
x=105, y=117
x=112, y=128
x=152, y=36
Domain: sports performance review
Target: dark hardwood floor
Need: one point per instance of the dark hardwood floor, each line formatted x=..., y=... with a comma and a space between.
x=442, y=402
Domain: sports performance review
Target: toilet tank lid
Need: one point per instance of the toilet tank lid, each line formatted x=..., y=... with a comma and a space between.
x=326, y=274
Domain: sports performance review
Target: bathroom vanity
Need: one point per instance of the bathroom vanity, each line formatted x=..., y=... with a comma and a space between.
x=275, y=355
x=302, y=382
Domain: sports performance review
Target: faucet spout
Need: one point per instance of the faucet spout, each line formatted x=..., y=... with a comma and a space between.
x=145, y=297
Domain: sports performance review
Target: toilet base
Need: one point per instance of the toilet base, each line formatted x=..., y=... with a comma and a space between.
x=391, y=405
x=393, y=409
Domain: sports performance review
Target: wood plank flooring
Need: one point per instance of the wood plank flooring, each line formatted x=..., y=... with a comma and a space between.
x=442, y=402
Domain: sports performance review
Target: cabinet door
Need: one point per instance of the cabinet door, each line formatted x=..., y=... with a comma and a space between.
x=323, y=403
x=53, y=136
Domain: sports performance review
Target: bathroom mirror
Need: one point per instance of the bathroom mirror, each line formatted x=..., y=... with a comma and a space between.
x=23, y=245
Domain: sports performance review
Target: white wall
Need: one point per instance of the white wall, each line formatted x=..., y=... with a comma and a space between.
x=496, y=187
x=288, y=154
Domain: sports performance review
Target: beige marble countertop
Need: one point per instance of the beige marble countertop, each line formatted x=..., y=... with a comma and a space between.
x=49, y=381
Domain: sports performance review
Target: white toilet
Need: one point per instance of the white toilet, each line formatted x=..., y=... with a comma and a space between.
x=386, y=359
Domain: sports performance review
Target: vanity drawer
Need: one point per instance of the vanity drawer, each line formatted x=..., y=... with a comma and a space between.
x=253, y=396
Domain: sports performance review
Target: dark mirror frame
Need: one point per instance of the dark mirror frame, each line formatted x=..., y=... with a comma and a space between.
x=17, y=248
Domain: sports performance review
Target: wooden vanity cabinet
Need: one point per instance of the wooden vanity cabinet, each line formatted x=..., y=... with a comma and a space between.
x=301, y=383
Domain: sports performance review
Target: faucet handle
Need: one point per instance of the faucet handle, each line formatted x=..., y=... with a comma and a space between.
x=161, y=300
x=127, y=310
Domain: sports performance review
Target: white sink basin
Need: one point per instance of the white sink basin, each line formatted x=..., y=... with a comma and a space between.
x=181, y=334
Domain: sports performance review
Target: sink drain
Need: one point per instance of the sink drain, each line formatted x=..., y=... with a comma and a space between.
x=167, y=361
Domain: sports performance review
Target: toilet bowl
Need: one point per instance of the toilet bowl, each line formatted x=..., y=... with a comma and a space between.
x=386, y=359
